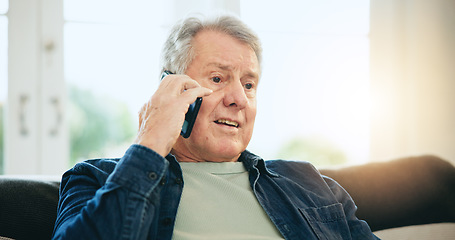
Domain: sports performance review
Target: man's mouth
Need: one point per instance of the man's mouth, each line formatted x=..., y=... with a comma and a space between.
x=227, y=122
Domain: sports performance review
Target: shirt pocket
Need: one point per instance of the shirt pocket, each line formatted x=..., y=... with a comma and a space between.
x=328, y=222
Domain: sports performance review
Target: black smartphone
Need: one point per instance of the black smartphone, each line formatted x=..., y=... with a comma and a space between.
x=190, y=116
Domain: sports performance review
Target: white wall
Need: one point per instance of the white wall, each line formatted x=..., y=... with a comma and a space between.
x=412, y=78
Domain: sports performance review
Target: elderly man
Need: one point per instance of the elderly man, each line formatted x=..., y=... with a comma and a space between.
x=206, y=186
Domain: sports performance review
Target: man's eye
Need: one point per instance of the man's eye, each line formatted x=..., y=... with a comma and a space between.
x=216, y=79
x=249, y=86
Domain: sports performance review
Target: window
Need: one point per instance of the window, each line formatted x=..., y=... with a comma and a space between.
x=111, y=69
x=314, y=94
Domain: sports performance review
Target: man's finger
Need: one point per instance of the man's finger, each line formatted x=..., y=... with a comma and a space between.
x=193, y=93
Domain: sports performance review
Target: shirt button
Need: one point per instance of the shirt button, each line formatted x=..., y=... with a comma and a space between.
x=178, y=181
x=153, y=175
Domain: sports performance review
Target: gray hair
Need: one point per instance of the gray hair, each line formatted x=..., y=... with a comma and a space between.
x=178, y=53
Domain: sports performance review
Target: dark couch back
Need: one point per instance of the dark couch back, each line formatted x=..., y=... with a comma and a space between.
x=402, y=192
x=28, y=208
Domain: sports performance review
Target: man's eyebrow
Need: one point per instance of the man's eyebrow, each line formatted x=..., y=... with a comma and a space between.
x=220, y=66
x=228, y=68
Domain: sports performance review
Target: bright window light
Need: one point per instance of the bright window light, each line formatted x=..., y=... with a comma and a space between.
x=314, y=93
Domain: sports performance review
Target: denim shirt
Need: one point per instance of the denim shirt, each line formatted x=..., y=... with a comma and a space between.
x=137, y=196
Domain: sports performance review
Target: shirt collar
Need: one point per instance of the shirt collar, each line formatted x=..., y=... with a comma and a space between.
x=252, y=161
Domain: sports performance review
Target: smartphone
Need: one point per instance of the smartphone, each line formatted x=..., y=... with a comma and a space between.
x=190, y=116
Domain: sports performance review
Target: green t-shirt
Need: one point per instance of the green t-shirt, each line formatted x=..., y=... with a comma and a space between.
x=218, y=203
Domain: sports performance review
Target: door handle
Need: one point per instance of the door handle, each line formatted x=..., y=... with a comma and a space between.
x=55, y=102
x=23, y=101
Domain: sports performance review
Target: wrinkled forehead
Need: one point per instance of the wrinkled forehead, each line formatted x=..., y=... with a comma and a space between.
x=218, y=45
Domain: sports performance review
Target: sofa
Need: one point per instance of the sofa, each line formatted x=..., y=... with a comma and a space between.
x=413, y=191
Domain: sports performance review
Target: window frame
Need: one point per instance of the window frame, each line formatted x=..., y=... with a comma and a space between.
x=35, y=136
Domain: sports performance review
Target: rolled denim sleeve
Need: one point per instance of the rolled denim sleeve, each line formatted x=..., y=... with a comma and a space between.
x=359, y=228
x=109, y=198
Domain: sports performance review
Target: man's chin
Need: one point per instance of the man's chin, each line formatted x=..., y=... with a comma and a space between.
x=207, y=151
x=225, y=153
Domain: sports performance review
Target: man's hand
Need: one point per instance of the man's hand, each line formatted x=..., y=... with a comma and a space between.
x=161, y=118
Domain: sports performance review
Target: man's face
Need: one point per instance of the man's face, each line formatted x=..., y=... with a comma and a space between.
x=225, y=122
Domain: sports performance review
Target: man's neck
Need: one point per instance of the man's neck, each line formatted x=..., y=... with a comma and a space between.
x=188, y=157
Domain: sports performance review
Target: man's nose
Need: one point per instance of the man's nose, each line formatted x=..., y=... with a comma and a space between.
x=234, y=95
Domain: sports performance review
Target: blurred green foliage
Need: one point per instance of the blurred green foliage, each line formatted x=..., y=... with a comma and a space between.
x=97, y=124
x=318, y=151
